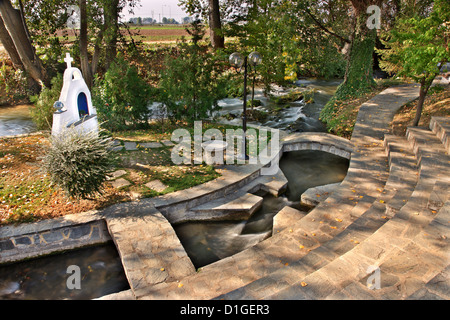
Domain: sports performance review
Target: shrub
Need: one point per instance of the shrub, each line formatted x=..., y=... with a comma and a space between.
x=122, y=97
x=79, y=162
x=191, y=83
x=42, y=111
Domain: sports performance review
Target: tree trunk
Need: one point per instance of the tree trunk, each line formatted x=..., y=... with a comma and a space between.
x=359, y=71
x=111, y=15
x=8, y=44
x=215, y=25
x=13, y=23
x=424, y=86
x=85, y=67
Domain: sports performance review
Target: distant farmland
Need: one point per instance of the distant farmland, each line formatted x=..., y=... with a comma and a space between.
x=148, y=33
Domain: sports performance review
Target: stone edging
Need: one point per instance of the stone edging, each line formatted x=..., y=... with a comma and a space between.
x=50, y=236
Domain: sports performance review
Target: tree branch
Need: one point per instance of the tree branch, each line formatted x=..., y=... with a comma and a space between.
x=325, y=28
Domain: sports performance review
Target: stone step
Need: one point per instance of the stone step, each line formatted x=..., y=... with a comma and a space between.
x=237, y=208
x=316, y=195
x=285, y=219
x=427, y=148
x=398, y=152
x=435, y=289
x=150, y=250
x=441, y=127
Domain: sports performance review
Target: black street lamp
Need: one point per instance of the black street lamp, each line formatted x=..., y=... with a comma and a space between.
x=238, y=61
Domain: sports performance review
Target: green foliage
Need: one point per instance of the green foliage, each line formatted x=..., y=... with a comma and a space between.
x=191, y=84
x=13, y=84
x=42, y=111
x=290, y=43
x=417, y=45
x=78, y=162
x=122, y=97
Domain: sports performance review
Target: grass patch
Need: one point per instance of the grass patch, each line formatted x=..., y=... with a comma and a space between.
x=343, y=118
x=26, y=193
x=436, y=104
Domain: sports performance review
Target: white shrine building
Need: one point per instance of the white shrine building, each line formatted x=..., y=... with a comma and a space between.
x=74, y=108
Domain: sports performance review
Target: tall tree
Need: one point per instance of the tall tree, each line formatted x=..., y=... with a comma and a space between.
x=417, y=46
x=85, y=66
x=358, y=77
x=215, y=25
x=210, y=10
x=18, y=44
x=359, y=72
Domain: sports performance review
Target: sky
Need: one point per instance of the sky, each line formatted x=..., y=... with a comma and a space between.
x=155, y=8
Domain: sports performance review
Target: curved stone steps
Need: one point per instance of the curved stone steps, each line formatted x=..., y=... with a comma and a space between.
x=392, y=245
x=406, y=259
x=415, y=269
x=441, y=127
x=285, y=248
x=400, y=185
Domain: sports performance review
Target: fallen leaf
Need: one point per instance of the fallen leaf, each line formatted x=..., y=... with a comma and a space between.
x=303, y=284
x=338, y=220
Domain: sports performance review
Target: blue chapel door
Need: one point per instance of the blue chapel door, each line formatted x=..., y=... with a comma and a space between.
x=83, y=109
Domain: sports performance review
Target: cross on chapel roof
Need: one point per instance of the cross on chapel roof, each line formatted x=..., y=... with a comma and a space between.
x=68, y=60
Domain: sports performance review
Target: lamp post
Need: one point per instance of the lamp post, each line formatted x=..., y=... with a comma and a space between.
x=238, y=61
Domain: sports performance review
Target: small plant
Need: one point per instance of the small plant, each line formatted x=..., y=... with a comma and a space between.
x=79, y=162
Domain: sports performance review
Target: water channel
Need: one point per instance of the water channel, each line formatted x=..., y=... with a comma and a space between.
x=45, y=278
x=207, y=242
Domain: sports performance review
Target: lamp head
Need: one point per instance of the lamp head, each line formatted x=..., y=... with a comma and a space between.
x=255, y=58
x=236, y=60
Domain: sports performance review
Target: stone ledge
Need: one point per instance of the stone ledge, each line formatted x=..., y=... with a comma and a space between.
x=33, y=245
x=316, y=195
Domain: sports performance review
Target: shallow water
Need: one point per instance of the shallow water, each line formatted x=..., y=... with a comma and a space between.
x=207, y=242
x=46, y=278
x=15, y=120
x=298, y=117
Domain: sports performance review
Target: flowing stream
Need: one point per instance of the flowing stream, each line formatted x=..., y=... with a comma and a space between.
x=15, y=120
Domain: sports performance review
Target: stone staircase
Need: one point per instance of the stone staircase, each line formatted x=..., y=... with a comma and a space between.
x=404, y=234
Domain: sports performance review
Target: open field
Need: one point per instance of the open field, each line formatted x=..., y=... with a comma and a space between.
x=148, y=33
